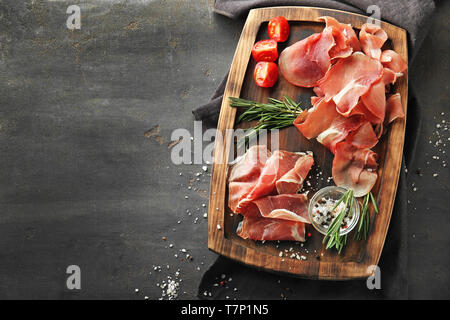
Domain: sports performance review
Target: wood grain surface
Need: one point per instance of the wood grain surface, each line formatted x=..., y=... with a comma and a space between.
x=359, y=257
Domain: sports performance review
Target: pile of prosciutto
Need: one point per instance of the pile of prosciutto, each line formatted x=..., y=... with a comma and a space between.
x=351, y=80
x=263, y=187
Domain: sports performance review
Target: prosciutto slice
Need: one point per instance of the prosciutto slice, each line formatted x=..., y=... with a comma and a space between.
x=244, y=174
x=327, y=125
x=252, y=177
x=364, y=137
x=305, y=62
x=292, y=207
x=349, y=79
x=394, y=108
x=317, y=119
x=279, y=163
x=375, y=98
x=292, y=181
x=354, y=168
x=259, y=228
x=344, y=36
x=372, y=38
x=392, y=60
x=248, y=166
x=361, y=109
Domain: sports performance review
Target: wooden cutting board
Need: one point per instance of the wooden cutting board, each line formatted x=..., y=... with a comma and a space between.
x=358, y=257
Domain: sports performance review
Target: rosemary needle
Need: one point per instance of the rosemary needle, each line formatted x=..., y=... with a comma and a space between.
x=364, y=222
x=335, y=239
x=275, y=114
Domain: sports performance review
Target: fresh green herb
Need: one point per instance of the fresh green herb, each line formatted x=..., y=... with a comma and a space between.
x=364, y=220
x=275, y=114
x=334, y=230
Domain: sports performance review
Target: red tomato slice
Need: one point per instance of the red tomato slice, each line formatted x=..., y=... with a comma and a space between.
x=266, y=74
x=265, y=50
x=278, y=29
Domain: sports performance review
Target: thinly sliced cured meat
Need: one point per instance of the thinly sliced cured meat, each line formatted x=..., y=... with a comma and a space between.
x=361, y=109
x=292, y=207
x=306, y=61
x=364, y=137
x=394, y=108
x=250, y=164
x=319, y=93
x=252, y=184
x=392, y=60
x=259, y=228
x=244, y=174
x=339, y=130
x=317, y=119
x=236, y=192
x=372, y=38
x=375, y=98
x=354, y=168
x=349, y=79
x=344, y=36
x=292, y=181
x=327, y=125
x=315, y=100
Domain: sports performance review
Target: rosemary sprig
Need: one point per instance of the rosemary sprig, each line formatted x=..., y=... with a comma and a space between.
x=364, y=220
x=334, y=230
x=275, y=114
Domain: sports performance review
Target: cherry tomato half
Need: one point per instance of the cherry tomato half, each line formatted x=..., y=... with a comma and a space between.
x=265, y=50
x=278, y=29
x=266, y=74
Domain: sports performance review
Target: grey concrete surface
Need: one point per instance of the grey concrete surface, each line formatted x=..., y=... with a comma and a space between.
x=80, y=183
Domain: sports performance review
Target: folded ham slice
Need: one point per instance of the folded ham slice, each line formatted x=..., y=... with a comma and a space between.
x=327, y=125
x=255, y=175
x=394, y=108
x=259, y=228
x=244, y=174
x=279, y=163
x=292, y=207
x=361, y=109
x=354, y=168
x=364, y=137
x=292, y=181
x=306, y=61
x=349, y=79
x=375, y=98
x=344, y=36
x=392, y=60
x=372, y=38
x=250, y=164
x=317, y=119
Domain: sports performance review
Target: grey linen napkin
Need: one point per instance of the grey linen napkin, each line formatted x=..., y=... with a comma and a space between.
x=254, y=284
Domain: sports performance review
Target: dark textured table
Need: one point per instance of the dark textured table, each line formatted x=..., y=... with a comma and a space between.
x=86, y=119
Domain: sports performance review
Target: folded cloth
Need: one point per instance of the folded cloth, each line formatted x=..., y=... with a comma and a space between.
x=412, y=15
